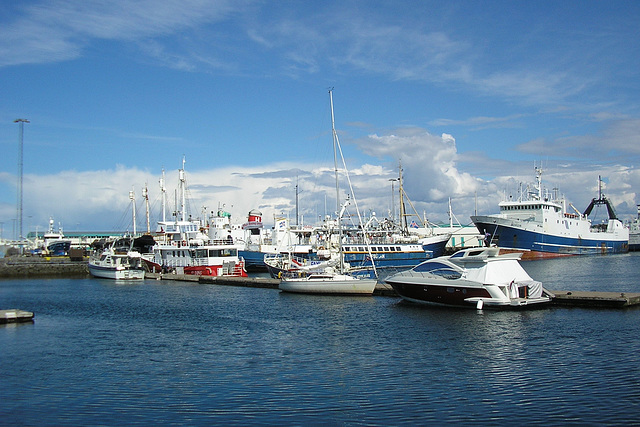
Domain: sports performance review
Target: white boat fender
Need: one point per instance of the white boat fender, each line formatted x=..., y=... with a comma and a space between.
x=479, y=304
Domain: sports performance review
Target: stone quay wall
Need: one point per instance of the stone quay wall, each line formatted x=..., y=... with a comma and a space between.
x=42, y=266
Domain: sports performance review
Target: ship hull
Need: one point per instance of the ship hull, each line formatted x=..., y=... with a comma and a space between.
x=545, y=245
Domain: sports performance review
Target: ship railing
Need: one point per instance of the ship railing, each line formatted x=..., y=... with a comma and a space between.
x=172, y=263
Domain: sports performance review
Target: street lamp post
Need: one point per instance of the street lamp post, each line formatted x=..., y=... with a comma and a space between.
x=20, y=156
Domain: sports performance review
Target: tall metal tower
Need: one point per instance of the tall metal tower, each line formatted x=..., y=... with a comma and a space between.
x=20, y=156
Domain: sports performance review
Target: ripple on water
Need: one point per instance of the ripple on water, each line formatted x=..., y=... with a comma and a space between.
x=182, y=353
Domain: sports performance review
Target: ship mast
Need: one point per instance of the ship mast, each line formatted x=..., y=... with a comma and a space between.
x=335, y=168
x=183, y=190
x=403, y=212
x=132, y=197
x=163, y=192
x=336, y=148
x=145, y=196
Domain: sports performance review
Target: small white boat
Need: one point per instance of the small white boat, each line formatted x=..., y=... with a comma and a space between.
x=475, y=277
x=118, y=266
x=327, y=282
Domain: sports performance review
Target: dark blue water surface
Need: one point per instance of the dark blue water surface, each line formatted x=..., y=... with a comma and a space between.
x=162, y=352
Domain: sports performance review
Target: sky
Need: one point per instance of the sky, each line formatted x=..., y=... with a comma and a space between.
x=468, y=97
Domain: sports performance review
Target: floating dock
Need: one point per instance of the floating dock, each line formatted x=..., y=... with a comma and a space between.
x=560, y=298
x=595, y=299
x=382, y=289
x=15, y=316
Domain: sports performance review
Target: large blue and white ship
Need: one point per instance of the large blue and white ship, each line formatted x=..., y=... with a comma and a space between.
x=540, y=226
x=634, y=233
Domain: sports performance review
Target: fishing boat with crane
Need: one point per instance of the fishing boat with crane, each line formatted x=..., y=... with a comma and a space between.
x=539, y=225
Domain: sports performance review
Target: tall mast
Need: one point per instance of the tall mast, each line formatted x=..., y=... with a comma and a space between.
x=145, y=196
x=297, y=193
x=163, y=192
x=183, y=191
x=403, y=214
x=132, y=197
x=335, y=167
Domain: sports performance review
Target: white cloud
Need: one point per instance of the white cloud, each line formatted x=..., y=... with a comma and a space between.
x=429, y=161
x=59, y=30
x=98, y=200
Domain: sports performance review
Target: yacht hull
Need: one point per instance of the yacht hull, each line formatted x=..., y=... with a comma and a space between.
x=116, y=274
x=308, y=285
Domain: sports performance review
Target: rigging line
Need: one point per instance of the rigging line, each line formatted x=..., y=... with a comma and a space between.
x=355, y=202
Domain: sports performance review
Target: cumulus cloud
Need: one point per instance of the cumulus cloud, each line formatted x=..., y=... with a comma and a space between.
x=100, y=199
x=429, y=162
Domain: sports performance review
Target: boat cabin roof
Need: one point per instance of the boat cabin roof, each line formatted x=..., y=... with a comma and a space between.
x=484, y=265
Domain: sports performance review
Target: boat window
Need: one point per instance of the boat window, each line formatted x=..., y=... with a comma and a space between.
x=439, y=269
x=447, y=273
x=223, y=252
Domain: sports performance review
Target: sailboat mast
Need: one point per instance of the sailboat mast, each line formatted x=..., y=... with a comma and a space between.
x=403, y=214
x=335, y=167
x=183, y=190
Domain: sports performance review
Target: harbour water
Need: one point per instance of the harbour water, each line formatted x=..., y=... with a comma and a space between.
x=165, y=353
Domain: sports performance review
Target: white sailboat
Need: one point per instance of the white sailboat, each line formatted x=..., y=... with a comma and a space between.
x=333, y=280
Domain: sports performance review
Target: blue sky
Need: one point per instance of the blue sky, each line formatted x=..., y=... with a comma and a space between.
x=467, y=95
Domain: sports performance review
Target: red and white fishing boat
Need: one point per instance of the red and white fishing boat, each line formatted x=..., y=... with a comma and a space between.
x=187, y=246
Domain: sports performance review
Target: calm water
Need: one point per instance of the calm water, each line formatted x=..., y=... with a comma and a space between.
x=105, y=353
